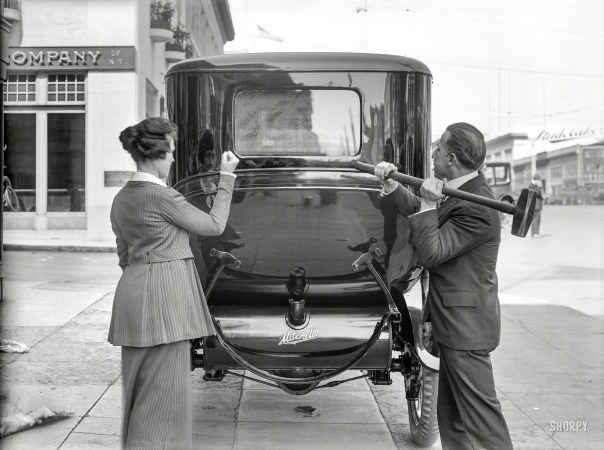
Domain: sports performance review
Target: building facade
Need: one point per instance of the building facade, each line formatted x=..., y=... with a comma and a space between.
x=570, y=160
x=79, y=72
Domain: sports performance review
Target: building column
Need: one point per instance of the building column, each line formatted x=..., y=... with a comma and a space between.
x=41, y=220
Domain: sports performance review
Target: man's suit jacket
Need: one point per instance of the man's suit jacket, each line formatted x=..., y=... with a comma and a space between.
x=458, y=243
x=159, y=298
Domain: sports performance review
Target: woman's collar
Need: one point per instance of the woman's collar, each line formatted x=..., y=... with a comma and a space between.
x=144, y=176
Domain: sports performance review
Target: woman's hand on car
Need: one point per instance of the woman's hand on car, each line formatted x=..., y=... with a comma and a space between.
x=229, y=162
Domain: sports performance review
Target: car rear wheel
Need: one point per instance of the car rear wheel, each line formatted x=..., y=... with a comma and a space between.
x=422, y=412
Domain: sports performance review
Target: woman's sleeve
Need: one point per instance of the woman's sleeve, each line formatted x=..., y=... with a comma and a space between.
x=122, y=246
x=176, y=210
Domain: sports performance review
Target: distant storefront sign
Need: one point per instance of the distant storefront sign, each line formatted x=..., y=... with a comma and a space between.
x=568, y=133
x=117, y=178
x=52, y=59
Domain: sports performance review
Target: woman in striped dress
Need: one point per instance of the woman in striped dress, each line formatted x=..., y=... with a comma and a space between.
x=159, y=304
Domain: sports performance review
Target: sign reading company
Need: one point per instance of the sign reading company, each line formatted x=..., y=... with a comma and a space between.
x=71, y=58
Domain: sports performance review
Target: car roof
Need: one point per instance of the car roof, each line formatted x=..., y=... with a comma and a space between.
x=301, y=62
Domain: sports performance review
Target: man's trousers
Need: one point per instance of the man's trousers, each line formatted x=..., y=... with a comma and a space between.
x=469, y=414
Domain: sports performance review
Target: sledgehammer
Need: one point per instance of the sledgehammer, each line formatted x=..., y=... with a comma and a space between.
x=522, y=212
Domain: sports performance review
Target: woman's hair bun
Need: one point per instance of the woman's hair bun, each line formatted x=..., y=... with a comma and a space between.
x=147, y=139
x=128, y=138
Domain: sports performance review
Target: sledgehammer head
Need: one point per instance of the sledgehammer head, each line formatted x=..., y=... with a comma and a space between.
x=524, y=212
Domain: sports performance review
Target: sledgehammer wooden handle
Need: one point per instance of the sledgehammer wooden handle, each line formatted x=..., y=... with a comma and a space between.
x=504, y=207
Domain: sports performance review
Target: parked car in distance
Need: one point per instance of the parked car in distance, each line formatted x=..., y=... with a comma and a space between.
x=498, y=175
x=313, y=275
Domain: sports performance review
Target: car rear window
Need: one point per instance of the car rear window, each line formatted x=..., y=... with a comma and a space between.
x=297, y=122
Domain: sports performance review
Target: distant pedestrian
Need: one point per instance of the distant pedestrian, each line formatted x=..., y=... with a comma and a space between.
x=537, y=186
x=159, y=303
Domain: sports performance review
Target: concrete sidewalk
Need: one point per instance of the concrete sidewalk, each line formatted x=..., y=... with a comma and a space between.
x=61, y=309
x=72, y=367
x=549, y=368
x=58, y=245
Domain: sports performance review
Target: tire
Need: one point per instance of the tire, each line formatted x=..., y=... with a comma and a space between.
x=506, y=219
x=422, y=412
x=11, y=201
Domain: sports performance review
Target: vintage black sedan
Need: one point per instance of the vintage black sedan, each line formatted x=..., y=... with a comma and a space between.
x=313, y=276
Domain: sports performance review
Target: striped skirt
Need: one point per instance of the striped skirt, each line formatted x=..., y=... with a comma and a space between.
x=157, y=397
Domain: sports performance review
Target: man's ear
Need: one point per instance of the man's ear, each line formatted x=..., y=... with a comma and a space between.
x=452, y=159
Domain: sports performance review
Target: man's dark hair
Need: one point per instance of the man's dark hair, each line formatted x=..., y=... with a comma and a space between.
x=467, y=142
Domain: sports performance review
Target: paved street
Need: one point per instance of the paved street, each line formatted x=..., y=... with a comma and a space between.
x=548, y=369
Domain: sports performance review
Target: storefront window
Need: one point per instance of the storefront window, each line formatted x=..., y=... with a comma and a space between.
x=20, y=160
x=20, y=88
x=66, y=170
x=556, y=172
x=68, y=87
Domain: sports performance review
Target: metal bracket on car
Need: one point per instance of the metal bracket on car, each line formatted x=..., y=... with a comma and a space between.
x=224, y=258
x=366, y=259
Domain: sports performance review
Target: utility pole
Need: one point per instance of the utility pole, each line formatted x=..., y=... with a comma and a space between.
x=363, y=9
x=499, y=99
x=544, y=116
x=489, y=109
x=510, y=99
x=533, y=150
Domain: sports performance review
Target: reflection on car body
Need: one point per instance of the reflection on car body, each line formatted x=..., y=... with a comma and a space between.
x=294, y=311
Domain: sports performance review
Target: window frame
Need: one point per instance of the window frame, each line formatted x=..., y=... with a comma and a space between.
x=41, y=186
x=358, y=133
x=6, y=92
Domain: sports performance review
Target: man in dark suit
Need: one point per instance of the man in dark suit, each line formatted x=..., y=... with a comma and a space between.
x=458, y=241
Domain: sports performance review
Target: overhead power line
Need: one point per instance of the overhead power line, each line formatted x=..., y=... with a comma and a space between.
x=533, y=26
x=556, y=99
x=495, y=66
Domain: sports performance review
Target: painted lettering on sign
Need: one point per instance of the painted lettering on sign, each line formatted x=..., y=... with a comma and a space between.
x=568, y=133
x=292, y=337
x=72, y=58
x=59, y=58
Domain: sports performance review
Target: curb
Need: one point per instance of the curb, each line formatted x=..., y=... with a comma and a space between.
x=58, y=248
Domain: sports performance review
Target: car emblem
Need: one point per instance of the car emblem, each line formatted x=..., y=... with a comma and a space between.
x=292, y=338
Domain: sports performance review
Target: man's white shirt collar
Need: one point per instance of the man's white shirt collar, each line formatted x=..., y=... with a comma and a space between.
x=144, y=176
x=457, y=182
